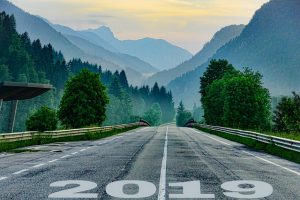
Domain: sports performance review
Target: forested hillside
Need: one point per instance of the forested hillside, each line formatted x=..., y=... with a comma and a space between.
x=267, y=44
x=22, y=60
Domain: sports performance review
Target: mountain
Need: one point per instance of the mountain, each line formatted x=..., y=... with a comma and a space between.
x=123, y=60
x=37, y=28
x=159, y=53
x=222, y=37
x=91, y=37
x=94, y=45
x=76, y=47
x=269, y=43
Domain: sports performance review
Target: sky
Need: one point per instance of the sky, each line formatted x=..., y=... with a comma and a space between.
x=186, y=23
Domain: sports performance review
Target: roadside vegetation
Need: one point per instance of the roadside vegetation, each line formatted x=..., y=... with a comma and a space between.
x=183, y=115
x=23, y=60
x=237, y=99
x=269, y=148
x=38, y=140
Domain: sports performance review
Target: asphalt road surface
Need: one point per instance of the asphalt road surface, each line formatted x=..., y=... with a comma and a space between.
x=164, y=162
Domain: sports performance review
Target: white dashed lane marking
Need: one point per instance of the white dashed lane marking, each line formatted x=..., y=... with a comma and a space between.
x=66, y=156
x=3, y=178
x=51, y=161
x=20, y=172
x=39, y=165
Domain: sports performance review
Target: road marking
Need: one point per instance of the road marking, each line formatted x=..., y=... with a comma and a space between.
x=163, y=172
x=39, y=165
x=222, y=142
x=51, y=161
x=21, y=171
x=272, y=163
x=3, y=178
x=65, y=156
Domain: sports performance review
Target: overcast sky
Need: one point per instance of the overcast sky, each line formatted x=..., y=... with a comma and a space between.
x=186, y=23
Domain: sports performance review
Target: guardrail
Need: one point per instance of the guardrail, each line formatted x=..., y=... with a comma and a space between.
x=278, y=141
x=21, y=136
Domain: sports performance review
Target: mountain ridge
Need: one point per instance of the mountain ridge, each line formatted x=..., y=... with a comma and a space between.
x=267, y=44
x=220, y=38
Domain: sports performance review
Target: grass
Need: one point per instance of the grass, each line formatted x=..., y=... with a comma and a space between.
x=37, y=140
x=292, y=136
x=269, y=148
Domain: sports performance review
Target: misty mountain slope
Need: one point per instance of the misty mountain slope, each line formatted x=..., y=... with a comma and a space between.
x=159, y=53
x=37, y=28
x=122, y=60
x=91, y=37
x=269, y=43
x=219, y=39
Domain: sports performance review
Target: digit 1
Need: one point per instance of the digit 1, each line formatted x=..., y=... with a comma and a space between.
x=191, y=190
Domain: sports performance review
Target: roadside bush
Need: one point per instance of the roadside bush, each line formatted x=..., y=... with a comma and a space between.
x=44, y=119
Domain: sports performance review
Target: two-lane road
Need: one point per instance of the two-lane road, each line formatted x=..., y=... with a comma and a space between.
x=160, y=158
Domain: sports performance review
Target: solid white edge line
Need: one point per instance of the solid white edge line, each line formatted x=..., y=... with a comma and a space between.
x=222, y=142
x=21, y=171
x=3, y=178
x=272, y=163
x=163, y=172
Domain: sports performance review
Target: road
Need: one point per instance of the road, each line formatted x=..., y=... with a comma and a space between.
x=160, y=158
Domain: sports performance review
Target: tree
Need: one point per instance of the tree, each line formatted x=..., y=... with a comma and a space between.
x=247, y=104
x=287, y=114
x=4, y=73
x=153, y=115
x=123, y=80
x=238, y=100
x=44, y=119
x=84, y=101
x=183, y=116
x=216, y=70
x=197, y=113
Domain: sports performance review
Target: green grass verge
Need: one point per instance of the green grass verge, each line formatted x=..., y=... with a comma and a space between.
x=269, y=148
x=291, y=136
x=9, y=146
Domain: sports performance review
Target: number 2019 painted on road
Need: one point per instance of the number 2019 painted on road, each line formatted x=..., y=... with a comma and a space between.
x=242, y=189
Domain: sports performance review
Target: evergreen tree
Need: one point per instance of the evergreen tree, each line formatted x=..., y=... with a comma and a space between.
x=153, y=115
x=183, y=116
x=4, y=73
x=216, y=70
x=123, y=80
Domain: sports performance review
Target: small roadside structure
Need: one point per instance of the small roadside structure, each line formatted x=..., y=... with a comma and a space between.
x=17, y=91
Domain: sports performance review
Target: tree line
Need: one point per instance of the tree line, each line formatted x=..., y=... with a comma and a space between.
x=238, y=99
x=24, y=61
